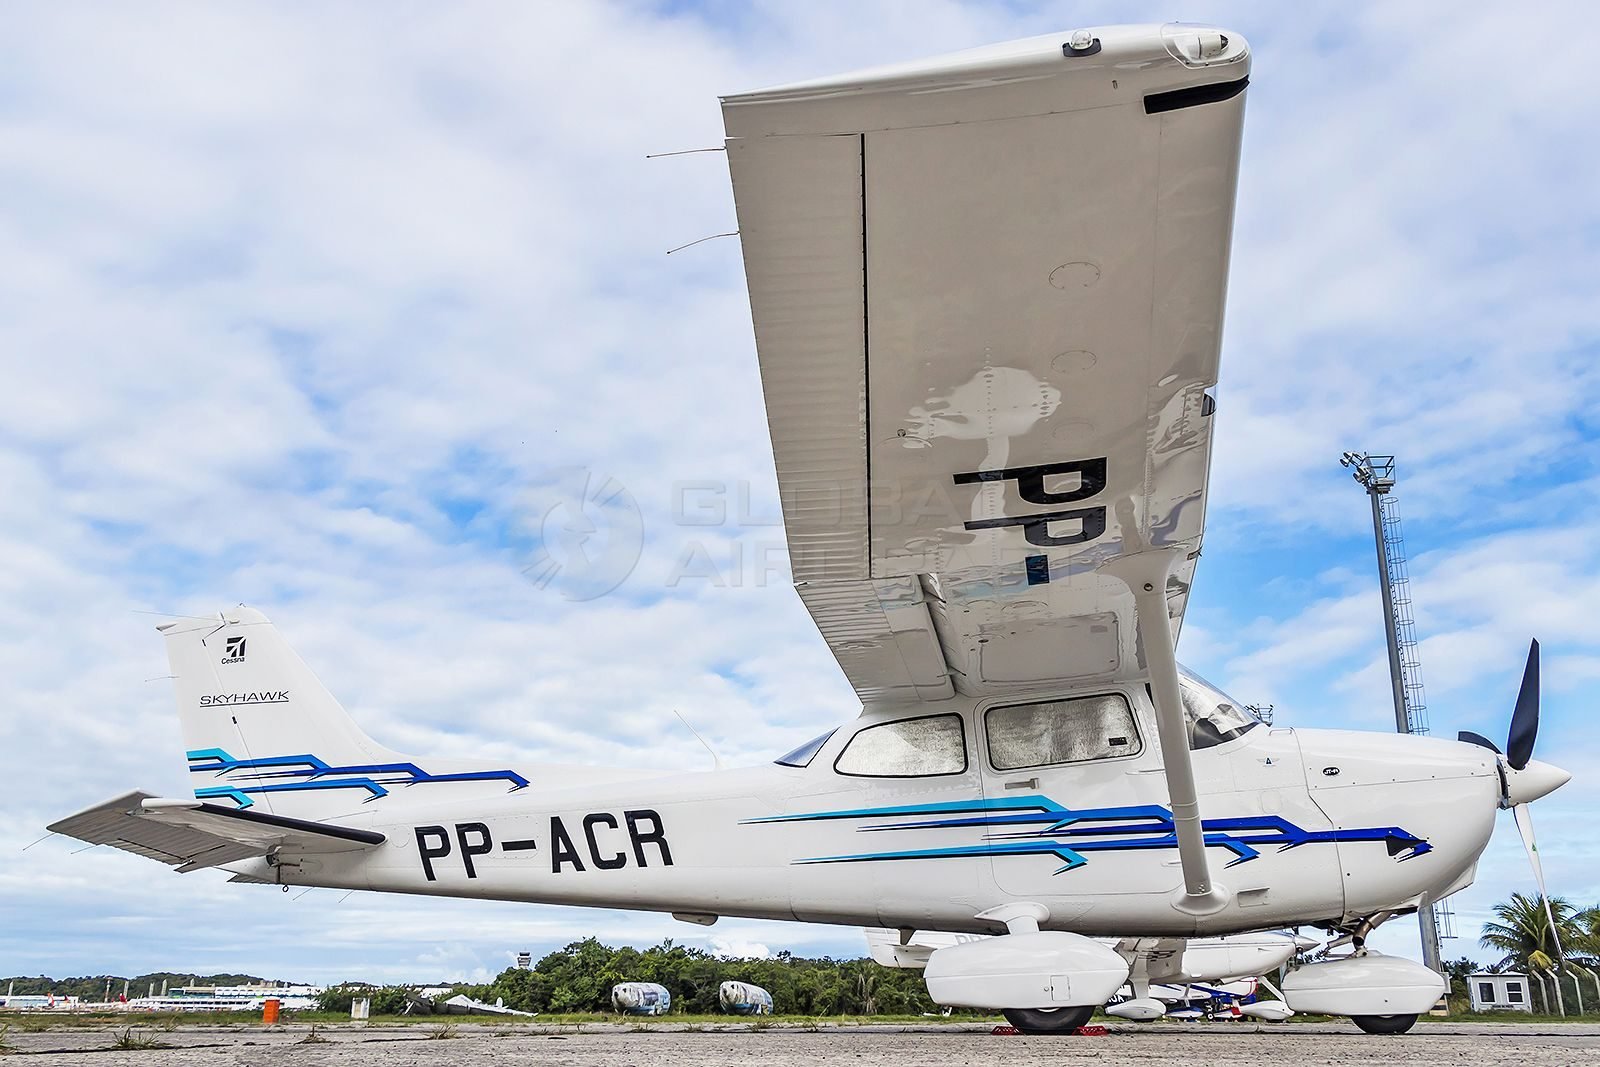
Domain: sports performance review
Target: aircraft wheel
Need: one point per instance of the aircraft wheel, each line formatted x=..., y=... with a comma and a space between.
x=1048, y=1020
x=1383, y=1024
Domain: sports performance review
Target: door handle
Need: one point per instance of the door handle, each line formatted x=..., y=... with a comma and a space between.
x=1025, y=783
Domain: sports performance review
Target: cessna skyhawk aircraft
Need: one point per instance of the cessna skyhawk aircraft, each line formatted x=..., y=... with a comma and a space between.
x=987, y=292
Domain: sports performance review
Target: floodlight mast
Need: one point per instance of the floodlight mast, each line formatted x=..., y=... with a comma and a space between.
x=1376, y=476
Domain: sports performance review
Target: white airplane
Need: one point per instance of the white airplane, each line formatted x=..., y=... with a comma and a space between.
x=987, y=292
x=1162, y=971
x=461, y=1004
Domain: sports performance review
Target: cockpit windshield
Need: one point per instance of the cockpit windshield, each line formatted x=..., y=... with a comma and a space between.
x=1214, y=716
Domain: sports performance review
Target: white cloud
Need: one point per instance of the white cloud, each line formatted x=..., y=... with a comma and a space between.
x=740, y=950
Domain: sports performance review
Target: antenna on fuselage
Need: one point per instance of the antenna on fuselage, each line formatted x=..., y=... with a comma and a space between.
x=716, y=760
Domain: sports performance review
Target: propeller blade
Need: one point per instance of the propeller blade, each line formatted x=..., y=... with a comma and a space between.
x=1478, y=739
x=1525, y=719
x=1524, y=819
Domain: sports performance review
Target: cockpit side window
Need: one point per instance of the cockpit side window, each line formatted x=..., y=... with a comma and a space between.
x=1061, y=731
x=906, y=748
x=1213, y=716
x=802, y=756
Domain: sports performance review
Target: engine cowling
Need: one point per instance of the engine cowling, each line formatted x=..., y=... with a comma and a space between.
x=1044, y=969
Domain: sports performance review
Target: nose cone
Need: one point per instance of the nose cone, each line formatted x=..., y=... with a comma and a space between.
x=1535, y=780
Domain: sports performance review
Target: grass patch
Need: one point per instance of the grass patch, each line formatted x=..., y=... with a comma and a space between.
x=1507, y=1017
x=443, y=1032
x=6, y=1047
x=130, y=1040
x=314, y=1038
x=167, y=1022
x=36, y=1021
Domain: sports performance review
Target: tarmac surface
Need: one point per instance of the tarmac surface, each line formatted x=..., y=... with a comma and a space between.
x=743, y=1045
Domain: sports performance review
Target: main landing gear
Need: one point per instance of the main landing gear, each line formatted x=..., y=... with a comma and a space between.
x=1051, y=1020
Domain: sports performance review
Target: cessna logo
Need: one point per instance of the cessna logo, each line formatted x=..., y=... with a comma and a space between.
x=1030, y=486
x=233, y=652
x=213, y=700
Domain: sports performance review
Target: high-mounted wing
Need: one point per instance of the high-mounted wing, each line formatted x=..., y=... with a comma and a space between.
x=191, y=834
x=987, y=292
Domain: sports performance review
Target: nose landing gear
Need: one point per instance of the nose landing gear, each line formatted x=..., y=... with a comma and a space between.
x=1380, y=1024
x=1380, y=994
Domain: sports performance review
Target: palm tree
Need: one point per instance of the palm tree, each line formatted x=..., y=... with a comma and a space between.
x=1523, y=933
x=1522, y=929
x=1587, y=940
x=867, y=987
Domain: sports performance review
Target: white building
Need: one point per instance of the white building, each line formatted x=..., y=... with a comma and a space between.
x=1499, y=992
x=38, y=1002
x=229, y=998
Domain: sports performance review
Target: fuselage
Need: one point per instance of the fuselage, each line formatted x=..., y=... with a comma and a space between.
x=1303, y=826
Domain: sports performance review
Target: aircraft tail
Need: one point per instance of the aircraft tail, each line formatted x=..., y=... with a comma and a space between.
x=263, y=732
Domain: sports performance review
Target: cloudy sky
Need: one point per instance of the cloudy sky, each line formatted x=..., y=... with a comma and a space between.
x=320, y=307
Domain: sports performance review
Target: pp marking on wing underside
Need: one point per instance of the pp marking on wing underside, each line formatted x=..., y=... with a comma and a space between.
x=284, y=774
x=1038, y=826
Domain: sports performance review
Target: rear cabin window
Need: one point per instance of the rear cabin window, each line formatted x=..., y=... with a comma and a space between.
x=906, y=748
x=1061, y=731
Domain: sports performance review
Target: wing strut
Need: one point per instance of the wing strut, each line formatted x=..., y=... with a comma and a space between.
x=1145, y=573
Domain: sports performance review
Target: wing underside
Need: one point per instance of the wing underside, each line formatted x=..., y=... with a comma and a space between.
x=987, y=293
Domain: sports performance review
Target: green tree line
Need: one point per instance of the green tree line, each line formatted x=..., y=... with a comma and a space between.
x=579, y=977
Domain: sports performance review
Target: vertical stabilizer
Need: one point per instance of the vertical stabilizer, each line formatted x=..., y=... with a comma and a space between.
x=263, y=732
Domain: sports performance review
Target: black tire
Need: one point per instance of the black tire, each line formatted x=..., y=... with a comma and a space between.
x=1048, y=1020
x=1384, y=1024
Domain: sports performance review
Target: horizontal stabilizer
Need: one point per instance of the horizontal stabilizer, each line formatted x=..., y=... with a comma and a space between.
x=191, y=834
